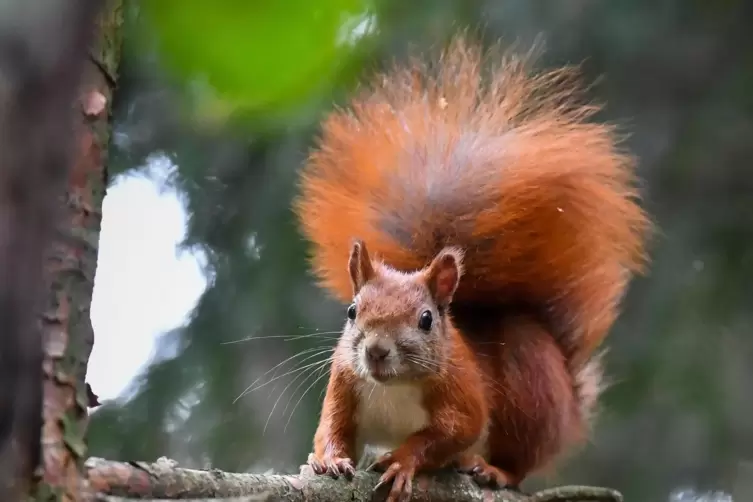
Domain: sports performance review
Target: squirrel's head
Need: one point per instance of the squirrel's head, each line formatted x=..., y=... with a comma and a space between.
x=397, y=327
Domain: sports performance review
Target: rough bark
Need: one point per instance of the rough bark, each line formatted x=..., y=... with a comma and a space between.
x=41, y=53
x=70, y=268
x=162, y=480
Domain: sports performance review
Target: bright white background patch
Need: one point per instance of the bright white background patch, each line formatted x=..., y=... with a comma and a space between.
x=143, y=286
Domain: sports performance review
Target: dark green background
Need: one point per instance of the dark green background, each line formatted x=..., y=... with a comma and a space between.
x=676, y=74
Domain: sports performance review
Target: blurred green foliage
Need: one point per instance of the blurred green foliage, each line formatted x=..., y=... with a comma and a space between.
x=258, y=55
x=676, y=74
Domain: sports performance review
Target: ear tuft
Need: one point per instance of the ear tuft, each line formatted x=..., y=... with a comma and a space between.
x=360, y=267
x=443, y=275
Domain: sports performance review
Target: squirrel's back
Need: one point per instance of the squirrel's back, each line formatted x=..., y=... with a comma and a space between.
x=503, y=163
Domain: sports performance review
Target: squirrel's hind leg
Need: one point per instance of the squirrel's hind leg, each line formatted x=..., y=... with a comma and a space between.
x=485, y=474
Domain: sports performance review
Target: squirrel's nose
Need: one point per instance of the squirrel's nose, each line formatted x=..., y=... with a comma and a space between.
x=377, y=351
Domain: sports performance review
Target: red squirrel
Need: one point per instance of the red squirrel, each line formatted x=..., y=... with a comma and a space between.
x=492, y=229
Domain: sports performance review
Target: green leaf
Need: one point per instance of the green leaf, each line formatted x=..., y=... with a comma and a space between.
x=257, y=54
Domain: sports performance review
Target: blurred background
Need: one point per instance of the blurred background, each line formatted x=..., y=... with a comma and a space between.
x=209, y=327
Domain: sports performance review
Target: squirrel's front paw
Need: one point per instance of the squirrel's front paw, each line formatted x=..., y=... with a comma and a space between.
x=332, y=466
x=400, y=472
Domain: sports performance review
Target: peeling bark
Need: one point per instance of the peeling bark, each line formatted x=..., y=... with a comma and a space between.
x=70, y=268
x=162, y=480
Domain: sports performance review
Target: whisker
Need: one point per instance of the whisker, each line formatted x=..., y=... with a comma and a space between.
x=426, y=363
x=372, y=392
x=302, y=373
x=326, y=362
x=254, y=387
x=424, y=366
x=315, y=368
x=309, y=350
x=301, y=398
x=323, y=334
x=298, y=354
x=293, y=371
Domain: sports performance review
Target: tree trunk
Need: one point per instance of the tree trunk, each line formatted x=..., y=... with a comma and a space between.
x=37, y=86
x=70, y=267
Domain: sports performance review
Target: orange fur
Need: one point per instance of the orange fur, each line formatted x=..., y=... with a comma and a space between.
x=335, y=436
x=507, y=167
x=535, y=413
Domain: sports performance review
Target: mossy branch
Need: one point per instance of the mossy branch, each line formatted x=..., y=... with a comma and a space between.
x=163, y=480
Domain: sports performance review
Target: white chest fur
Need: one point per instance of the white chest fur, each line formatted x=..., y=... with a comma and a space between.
x=388, y=414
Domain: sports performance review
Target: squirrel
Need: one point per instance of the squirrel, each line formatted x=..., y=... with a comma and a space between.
x=491, y=230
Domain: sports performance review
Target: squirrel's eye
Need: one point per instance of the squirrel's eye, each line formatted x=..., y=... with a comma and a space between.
x=352, y=312
x=424, y=322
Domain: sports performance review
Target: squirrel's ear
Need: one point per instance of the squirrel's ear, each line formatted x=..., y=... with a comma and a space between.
x=359, y=266
x=443, y=275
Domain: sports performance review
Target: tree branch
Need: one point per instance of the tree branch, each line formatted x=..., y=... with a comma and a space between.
x=120, y=482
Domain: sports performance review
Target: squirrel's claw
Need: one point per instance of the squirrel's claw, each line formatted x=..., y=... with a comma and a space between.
x=401, y=476
x=381, y=463
x=346, y=467
x=316, y=466
x=332, y=466
x=485, y=474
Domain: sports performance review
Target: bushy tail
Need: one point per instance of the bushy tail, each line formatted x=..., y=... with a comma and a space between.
x=589, y=384
x=505, y=165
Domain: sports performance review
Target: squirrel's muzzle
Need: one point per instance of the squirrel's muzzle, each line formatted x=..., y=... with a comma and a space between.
x=377, y=350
